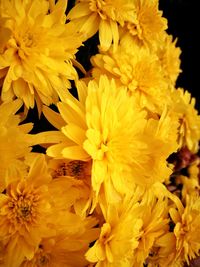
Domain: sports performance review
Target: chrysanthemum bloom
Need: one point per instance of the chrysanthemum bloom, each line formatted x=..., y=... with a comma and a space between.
x=169, y=56
x=136, y=68
x=103, y=15
x=36, y=59
x=118, y=238
x=100, y=127
x=25, y=213
x=106, y=126
x=186, y=230
x=149, y=25
x=155, y=223
x=183, y=109
x=15, y=143
x=67, y=248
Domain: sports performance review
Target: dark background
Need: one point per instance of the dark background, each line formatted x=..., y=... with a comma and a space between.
x=183, y=23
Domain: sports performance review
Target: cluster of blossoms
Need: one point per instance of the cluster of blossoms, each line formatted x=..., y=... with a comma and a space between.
x=116, y=181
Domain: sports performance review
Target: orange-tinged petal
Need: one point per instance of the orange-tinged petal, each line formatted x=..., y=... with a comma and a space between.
x=38, y=169
x=15, y=254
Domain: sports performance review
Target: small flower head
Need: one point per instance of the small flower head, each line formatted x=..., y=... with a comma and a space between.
x=25, y=209
x=138, y=69
x=33, y=65
x=118, y=238
x=169, y=56
x=155, y=223
x=183, y=109
x=149, y=24
x=186, y=229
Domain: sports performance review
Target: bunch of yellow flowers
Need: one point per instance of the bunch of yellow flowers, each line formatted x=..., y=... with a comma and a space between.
x=116, y=181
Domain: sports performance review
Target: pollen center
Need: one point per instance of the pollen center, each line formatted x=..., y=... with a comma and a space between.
x=28, y=39
x=22, y=207
x=42, y=258
x=74, y=168
x=25, y=211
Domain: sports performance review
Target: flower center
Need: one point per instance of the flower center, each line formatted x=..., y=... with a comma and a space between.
x=28, y=39
x=41, y=258
x=25, y=211
x=74, y=168
x=22, y=207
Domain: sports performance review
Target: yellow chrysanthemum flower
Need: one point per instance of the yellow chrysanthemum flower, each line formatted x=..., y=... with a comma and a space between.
x=113, y=137
x=186, y=230
x=149, y=25
x=103, y=15
x=65, y=249
x=36, y=58
x=169, y=56
x=155, y=223
x=15, y=143
x=136, y=68
x=183, y=109
x=100, y=127
x=118, y=238
x=106, y=126
x=25, y=211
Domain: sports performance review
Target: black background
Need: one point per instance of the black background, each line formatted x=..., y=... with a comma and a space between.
x=183, y=23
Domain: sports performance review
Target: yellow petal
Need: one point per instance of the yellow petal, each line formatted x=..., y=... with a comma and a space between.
x=75, y=152
x=79, y=10
x=73, y=114
x=115, y=34
x=56, y=150
x=38, y=169
x=53, y=117
x=105, y=35
x=91, y=25
x=50, y=137
x=75, y=133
